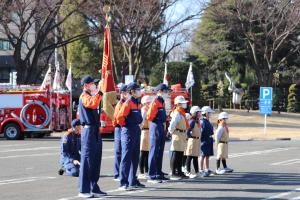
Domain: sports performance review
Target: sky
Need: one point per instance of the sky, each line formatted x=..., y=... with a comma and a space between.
x=181, y=9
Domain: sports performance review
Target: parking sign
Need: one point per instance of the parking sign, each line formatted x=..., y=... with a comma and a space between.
x=265, y=100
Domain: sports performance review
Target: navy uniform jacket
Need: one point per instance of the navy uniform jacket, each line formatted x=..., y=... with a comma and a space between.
x=206, y=138
x=70, y=148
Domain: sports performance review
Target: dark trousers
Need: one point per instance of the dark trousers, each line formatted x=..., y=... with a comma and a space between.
x=184, y=161
x=156, y=152
x=143, y=164
x=90, y=162
x=130, y=141
x=176, y=162
x=195, y=162
x=118, y=151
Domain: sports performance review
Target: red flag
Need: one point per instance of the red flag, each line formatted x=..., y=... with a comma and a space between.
x=108, y=84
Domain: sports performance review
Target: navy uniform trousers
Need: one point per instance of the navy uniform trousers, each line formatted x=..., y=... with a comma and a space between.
x=118, y=151
x=157, y=144
x=91, y=154
x=130, y=141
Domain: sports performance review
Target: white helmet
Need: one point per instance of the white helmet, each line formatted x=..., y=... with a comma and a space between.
x=195, y=109
x=188, y=116
x=146, y=99
x=207, y=109
x=179, y=99
x=223, y=115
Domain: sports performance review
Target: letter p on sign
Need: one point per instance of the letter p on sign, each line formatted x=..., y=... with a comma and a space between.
x=266, y=93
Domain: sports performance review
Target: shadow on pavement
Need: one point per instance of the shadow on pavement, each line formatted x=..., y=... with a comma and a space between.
x=262, y=180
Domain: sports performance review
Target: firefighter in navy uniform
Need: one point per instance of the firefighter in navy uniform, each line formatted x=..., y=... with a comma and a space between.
x=117, y=133
x=157, y=117
x=91, y=142
x=130, y=117
x=70, y=151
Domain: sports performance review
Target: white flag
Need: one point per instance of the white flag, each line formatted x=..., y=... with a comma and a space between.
x=166, y=82
x=56, y=81
x=69, y=79
x=47, y=79
x=190, y=78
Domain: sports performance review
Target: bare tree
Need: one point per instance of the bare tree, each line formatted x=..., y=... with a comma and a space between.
x=269, y=28
x=138, y=25
x=30, y=28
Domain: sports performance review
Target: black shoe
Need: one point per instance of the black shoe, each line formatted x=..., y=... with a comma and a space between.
x=139, y=185
x=61, y=171
x=164, y=178
x=183, y=176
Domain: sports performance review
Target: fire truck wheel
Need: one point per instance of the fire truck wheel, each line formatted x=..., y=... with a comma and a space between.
x=12, y=132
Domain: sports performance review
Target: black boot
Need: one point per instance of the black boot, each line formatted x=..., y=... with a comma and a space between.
x=61, y=171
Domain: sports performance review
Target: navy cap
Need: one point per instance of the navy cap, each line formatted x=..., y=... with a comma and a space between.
x=88, y=79
x=75, y=122
x=161, y=86
x=123, y=88
x=133, y=86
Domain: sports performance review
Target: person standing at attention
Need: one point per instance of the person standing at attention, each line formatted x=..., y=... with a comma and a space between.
x=117, y=133
x=91, y=141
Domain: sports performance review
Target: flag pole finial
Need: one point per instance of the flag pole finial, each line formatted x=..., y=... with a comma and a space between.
x=106, y=10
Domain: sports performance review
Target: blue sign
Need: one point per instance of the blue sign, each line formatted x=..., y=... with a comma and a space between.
x=265, y=100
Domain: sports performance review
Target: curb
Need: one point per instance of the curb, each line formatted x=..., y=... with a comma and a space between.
x=263, y=139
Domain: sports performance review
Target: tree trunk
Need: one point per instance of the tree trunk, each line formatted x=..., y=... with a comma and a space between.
x=265, y=76
x=130, y=61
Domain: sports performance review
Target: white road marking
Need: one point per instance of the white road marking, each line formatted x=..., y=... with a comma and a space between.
x=41, y=148
x=29, y=149
x=30, y=155
x=292, y=163
x=236, y=155
x=24, y=180
x=283, y=194
x=109, y=192
x=42, y=154
x=287, y=162
x=251, y=153
x=13, y=145
x=296, y=198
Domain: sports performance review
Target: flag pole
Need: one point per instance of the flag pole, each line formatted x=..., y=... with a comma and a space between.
x=191, y=65
x=50, y=101
x=71, y=96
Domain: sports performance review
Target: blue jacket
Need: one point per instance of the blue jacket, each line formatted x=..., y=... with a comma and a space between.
x=189, y=131
x=70, y=148
x=88, y=109
x=130, y=113
x=207, y=130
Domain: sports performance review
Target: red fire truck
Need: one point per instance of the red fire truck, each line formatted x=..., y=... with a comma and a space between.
x=176, y=90
x=27, y=109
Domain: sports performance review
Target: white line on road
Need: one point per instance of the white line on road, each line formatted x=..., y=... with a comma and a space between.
x=125, y=193
x=30, y=155
x=287, y=162
x=236, y=155
x=29, y=149
x=42, y=154
x=13, y=145
x=291, y=163
x=296, y=198
x=24, y=180
x=283, y=194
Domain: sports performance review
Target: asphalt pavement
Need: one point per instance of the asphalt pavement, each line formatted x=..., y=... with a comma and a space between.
x=262, y=170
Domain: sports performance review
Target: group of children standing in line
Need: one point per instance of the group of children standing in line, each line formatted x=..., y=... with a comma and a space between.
x=191, y=138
